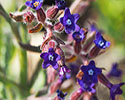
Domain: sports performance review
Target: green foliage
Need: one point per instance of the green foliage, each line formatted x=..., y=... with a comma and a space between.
x=112, y=18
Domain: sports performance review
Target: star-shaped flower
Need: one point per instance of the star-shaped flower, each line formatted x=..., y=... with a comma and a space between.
x=50, y=58
x=78, y=36
x=101, y=42
x=35, y=4
x=61, y=4
x=115, y=89
x=91, y=73
x=115, y=72
x=69, y=21
x=61, y=95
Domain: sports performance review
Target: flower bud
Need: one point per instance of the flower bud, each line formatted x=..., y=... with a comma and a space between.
x=17, y=18
x=41, y=15
x=55, y=86
x=77, y=47
x=28, y=16
x=76, y=94
x=89, y=42
x=94, y=52
x=58, y=27
x=36, y=28
x=52, y=12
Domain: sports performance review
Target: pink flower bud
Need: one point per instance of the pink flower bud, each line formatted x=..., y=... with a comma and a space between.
x=55, y=86
x=52, y=12
x=28, y=16
x=58, y=27
x=41, y=15
x=18, y=18
x=76, y=94
x=52, y=44
x=56, y=98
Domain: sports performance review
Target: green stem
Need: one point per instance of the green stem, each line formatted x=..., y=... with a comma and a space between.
x=13, y=25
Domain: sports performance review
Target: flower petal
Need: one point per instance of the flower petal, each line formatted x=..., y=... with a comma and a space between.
x=28, y=3
x=76, y=17
x=44, y=55
x=56, y=66
x=45, y=65
x=61, y=20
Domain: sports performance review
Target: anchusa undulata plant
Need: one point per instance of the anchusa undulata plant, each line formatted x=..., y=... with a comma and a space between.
x=69, y=57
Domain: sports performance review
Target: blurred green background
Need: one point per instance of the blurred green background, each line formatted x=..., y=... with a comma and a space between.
x=20, y=70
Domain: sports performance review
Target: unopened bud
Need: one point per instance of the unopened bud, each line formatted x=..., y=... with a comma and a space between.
x=29, y=16
x=76, y=94
x=77, y=47
x=52, y=12
x=18, y=18
x=94, y=52
x=58, y=27
x=41, y=15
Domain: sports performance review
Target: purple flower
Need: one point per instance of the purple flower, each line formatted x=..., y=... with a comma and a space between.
x=50, y=58
x=115, y=72
x=101, y=42
x=91, y=73
x=78, y=36
x=87, y=87
x=61, y=95
x=69, y=21
x=115, y=89
x=35, y=4
x=93, y=28
x=61, y=4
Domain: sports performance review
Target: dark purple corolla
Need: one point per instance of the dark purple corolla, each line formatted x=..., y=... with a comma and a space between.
x=50, y=58
x=78, y=36
x=87, y=87
x=101, y=42
x=35, y=4
x=115, y=90
x=91, y=73
x=61, y=95
x=61, y=4
x=69, y=21
x=115, y=72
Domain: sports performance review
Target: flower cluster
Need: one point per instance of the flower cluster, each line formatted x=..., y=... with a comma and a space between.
x=64, y=59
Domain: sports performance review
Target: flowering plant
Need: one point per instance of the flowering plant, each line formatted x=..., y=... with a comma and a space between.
x=68, y=50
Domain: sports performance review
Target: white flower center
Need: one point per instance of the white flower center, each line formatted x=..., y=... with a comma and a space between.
x=90, y=72
x=51, y=57
x=68, y=22
x=101, y=43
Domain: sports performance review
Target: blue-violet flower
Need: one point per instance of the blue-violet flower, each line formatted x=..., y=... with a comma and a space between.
x=78, y=36
x=91, y=73
x=115, y=89
x=61, y=4
x=101, y=42
x=35, y=4
x=115, y=72
x=61, y=95
x=50, y=58
x=69, y=21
